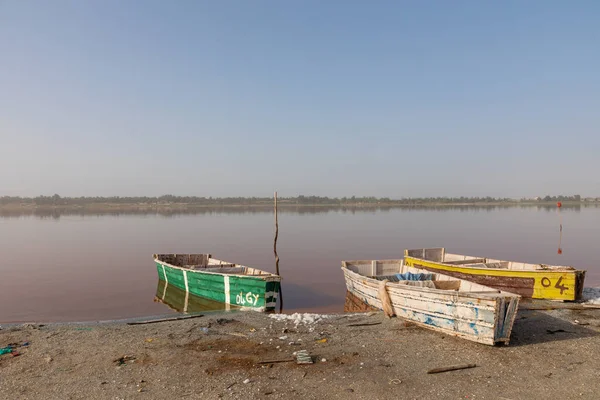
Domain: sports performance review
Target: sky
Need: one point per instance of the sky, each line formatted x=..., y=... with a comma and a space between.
x=332, y=98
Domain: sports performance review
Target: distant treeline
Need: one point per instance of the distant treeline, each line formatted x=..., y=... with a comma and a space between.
x=57, y=200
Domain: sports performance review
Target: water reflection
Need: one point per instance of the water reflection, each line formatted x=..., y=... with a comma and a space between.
x=168, y=212
x=183, y=302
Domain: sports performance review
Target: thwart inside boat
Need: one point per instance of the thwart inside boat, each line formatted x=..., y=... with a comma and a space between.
x=205, y=263
x=420, y=279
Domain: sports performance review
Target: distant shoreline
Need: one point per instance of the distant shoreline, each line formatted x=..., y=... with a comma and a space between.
x=169, y=203
x=116, y=207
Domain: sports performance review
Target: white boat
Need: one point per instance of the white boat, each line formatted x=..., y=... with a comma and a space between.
x=439, y=302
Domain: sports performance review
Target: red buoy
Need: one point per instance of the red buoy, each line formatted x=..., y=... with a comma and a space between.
x=559, y=204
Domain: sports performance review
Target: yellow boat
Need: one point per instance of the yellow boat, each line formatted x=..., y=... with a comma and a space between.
x=538, y=281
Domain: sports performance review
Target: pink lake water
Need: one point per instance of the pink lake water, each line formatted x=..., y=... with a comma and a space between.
x=68, y=267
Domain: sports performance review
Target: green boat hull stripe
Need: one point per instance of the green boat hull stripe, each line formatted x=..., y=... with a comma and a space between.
x=187, y=291
x=227, y=290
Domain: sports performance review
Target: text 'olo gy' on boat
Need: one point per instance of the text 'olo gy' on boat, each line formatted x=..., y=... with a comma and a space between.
x=435, y=301
x=538, y=281
x=229, y=283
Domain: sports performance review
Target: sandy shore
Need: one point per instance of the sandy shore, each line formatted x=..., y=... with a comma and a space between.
x=550, y=356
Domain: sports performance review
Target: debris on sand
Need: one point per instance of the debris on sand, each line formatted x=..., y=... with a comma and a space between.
x=451, y=368
x=124, y=359
x=11, y=348
x=302, y=357
x=6, y=350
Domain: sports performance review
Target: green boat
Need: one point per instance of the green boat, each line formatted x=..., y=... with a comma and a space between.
x=234, y=285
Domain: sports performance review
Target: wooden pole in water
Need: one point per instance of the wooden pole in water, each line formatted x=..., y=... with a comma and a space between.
x=277, y=256
x=560, y=234
x=275, y=240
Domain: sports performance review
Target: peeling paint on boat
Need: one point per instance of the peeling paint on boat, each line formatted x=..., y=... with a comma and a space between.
x=472, y=311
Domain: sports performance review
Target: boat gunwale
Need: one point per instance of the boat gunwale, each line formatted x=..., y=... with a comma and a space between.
x=551, y=267
x=499, y=272
x=269, y=278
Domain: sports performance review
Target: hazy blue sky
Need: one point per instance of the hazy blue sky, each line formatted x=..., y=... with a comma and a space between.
x=223, y=98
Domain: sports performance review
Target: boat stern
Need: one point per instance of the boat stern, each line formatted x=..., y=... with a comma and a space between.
x=579, y=282
x=506, y=312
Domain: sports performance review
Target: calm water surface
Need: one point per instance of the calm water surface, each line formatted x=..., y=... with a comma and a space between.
x=76, y=268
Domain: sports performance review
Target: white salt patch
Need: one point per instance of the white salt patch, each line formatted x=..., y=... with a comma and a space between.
x=299, y=318
x=591, y=295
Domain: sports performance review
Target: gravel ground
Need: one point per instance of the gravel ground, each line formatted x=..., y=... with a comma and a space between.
x=217, y=355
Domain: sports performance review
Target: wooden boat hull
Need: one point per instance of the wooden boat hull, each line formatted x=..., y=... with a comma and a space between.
x=473, y=315
x=354, y=304
x=546, y=284
x=258, y=293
